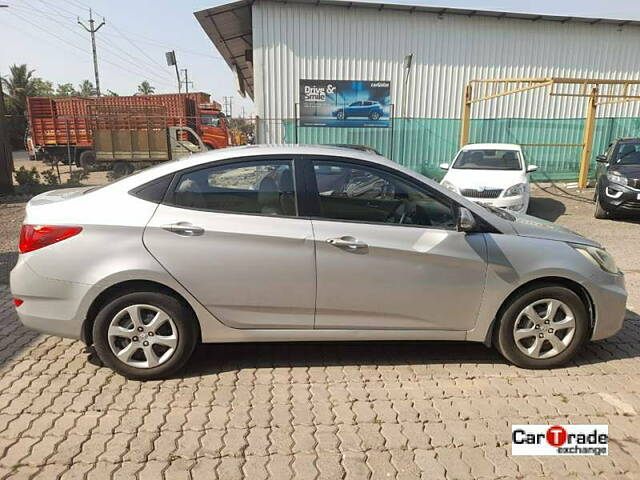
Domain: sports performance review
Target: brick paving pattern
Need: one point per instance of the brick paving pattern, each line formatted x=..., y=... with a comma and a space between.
x=306, y=411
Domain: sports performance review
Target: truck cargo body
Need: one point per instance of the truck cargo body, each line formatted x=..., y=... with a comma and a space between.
x=61, y=127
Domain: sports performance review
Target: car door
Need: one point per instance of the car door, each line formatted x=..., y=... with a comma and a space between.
x=388, y=255
x=354, y=109
x=231, y=235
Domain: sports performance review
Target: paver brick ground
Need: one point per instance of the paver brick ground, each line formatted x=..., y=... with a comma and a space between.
x=319, y=410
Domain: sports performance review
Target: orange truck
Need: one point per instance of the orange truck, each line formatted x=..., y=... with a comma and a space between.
x=60, y=129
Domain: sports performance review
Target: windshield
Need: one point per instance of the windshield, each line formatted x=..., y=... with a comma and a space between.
x=627, y=153
x=488, y=160
x=210, y=120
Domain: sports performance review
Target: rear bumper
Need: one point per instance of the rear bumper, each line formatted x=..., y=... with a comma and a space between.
x=50, y=306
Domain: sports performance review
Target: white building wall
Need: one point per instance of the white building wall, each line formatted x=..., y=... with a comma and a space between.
x=294, y=41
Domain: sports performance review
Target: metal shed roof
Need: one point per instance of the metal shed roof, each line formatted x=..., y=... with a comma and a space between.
x=229, y=26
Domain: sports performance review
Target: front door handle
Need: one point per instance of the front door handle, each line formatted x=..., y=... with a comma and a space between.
x=184, y=229
x=348, y=243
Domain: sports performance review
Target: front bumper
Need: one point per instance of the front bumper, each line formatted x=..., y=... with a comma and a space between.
x=50, y=306
x=619, y=198
x=518, y=203
x=610, y=300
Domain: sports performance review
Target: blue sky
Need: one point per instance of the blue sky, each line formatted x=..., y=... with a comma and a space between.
x=44, y=34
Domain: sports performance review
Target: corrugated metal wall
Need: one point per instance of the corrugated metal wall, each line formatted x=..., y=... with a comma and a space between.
x=293, y=41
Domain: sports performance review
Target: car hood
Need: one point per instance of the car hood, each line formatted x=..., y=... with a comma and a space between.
x=528, y=226
x=632, y=171
x=490, y=179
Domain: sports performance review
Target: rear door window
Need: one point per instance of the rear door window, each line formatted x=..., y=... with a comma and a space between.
x=263, y=187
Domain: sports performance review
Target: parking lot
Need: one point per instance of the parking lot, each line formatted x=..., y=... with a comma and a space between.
x=390, y=410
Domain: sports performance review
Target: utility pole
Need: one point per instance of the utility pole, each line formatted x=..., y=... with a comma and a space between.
x=186, y=80
x=228, y=106
x=6, y=158
x=92, y=30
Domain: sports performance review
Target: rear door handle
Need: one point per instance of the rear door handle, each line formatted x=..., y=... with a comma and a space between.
x=348, y=243
x=184, y=229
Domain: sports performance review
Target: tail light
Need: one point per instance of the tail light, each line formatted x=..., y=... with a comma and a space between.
x=17, y=301
x=33, y=237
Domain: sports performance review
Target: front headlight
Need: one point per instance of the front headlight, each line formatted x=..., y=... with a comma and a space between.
x=517, y=189
x=599, y=257
x=617, y=178
x=450, y=186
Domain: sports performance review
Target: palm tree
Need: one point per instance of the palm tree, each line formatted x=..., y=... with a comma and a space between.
x=20, y=85
x=145, y=88
x=86, y=89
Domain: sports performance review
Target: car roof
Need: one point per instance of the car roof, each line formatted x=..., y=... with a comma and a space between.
x=248, y=151
x=492, y=146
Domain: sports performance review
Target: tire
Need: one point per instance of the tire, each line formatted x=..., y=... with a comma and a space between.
x=374, y=115
x=599, y=212
x=504, y=334
x=180, y=328
x=341, y=116
x=87, y=160
x=122, y=169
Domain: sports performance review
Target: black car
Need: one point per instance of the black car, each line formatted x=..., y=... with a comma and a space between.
x=618, y=179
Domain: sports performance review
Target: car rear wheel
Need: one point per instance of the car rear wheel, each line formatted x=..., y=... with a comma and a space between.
x=145, y=335
x=374, y=115
x=544, y=327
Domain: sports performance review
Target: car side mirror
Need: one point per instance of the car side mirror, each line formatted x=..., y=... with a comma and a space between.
x=466, y=220
x=532, y=168
x=601, y=158
x=444, y=166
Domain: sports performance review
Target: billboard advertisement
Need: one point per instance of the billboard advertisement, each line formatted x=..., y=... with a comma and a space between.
x=345, y=103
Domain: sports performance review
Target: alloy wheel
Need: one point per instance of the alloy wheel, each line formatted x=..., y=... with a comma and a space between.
x=142, y=336
x=544, y=328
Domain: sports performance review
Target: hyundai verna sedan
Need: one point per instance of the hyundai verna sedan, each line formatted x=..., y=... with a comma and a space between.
x=288, y=243
x=491, y=174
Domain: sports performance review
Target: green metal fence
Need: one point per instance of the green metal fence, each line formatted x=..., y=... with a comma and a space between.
x=423, y=143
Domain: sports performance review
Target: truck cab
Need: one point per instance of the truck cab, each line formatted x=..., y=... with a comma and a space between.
x=213, y=127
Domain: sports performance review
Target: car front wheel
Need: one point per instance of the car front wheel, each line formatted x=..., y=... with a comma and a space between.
x=374, y=115
x=544, y=327
x=341, y=115
x=599, y=212
x=145, y=335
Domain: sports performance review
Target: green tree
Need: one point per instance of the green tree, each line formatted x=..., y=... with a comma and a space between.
x=42, y=88
x=111, y=93
x=86, y=89
x=65, y=90
x=19, y=85
x=145, y=88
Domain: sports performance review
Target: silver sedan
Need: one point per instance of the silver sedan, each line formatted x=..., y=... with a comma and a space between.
x=298, y=243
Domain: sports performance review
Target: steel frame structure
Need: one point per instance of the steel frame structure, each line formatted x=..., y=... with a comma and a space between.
x=598, y=92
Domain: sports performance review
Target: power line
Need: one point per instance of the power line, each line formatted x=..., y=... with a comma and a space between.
x=135, y=62
x=63, y=40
